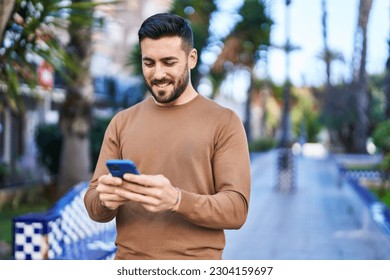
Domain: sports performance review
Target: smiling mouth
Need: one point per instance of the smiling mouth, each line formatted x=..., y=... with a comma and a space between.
x=162, y=85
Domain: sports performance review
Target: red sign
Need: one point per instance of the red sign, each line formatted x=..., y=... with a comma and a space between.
x=46, y=75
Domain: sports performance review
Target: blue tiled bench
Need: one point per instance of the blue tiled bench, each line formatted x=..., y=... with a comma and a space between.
x=379, y=211
x=63, y=232
x=345, y=160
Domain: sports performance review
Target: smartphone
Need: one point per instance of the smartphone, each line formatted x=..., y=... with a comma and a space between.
x=118, y=167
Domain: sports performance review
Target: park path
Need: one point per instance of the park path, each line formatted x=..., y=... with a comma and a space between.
x=318, y=221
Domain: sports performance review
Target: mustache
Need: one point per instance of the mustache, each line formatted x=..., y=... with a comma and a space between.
x=162, y=81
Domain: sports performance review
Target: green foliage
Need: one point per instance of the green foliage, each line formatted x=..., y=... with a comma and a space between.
x=277, y=91
x=339, y=112
x=338, y=107
x=381, y=136
x=249, y=39
x=361, y=167
x=135, y=59
x=49, y=140
x=4, y=169
x=384, y=165
x=378, y=98
x=262, y=144
x=383, y=195
x=199, y=14
x=313, y=127
x=305, y=116
x=255, y=27
x=32, y=32
x=308, y=126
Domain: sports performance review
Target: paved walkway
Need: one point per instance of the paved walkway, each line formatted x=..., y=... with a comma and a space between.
x=318, y=221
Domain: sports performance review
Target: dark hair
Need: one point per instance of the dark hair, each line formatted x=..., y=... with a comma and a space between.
x=167, y=24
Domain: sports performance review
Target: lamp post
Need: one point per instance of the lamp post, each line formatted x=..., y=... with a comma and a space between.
x=285, y=180
x=285, y=136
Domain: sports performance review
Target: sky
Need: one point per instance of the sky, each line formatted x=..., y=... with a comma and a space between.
x=305, y=31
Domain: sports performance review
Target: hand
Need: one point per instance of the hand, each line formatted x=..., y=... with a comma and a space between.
x=154, y=192
x=106, y=190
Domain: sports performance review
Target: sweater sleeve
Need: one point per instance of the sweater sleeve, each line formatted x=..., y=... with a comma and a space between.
x=109, y=149
x=228, y=207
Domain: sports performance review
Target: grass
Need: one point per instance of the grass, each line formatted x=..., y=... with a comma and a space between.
x=361, y=167
x=262, y=144
x=383, y=195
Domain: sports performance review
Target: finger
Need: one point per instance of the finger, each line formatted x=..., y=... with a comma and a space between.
x=155, y=181
x=104, y=188
x=110, y=180
x=136, y=197
x=140, y=189
x=137, y=179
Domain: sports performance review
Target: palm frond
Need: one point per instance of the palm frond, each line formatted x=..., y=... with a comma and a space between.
x=31, y=33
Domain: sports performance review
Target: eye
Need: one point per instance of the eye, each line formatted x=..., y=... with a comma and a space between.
x=170, y=62
x=148, y=64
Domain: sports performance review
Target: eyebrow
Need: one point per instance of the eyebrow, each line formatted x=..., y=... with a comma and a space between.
x=163, y=59
x=170, y=58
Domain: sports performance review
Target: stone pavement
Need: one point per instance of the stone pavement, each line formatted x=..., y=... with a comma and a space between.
x=318, y=221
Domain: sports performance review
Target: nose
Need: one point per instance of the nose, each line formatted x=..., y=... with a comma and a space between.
x=159, y=72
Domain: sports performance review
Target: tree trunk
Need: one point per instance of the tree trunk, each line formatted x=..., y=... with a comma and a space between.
x=387, y=86
x=360, y=80
x=248, y=109
x=327, y=57
x=74, y=162
x=362, y=110
x=6, y=7
x=75, y=120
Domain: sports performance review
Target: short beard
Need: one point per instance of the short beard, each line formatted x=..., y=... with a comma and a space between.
x=160, y=97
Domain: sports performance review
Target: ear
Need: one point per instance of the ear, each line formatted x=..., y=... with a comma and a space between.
x=192, y=58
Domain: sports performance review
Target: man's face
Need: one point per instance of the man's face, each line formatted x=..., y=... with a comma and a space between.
x=165, y=67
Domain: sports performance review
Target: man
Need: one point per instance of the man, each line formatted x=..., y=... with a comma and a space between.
x=192, y=155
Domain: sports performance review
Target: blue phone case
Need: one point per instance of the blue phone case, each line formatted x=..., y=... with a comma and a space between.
x=118, y=167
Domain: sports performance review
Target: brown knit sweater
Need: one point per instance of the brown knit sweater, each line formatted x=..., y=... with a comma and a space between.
x=202, y=149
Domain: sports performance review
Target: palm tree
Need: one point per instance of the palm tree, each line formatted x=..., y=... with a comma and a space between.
x=75, y=113
x=243, y=44
x=360, y=80
x=327, y=55
x=29, y=33
x=346, y=108
x=28, y=30
x=387, y=85
x=27, y=36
